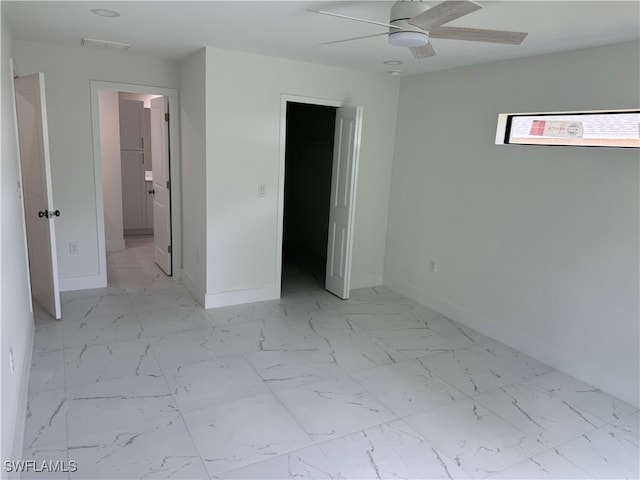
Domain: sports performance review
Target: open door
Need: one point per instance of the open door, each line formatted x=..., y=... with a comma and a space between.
x=346, y=152
x=161, y=183
x=33, y=138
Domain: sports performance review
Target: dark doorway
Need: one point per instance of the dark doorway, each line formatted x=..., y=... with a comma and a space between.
x=307, y=193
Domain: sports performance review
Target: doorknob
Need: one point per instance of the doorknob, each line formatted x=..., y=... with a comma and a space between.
x=49, y=213
x=151, y=192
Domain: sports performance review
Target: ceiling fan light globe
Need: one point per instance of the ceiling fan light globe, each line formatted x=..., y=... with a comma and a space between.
x=408, y=39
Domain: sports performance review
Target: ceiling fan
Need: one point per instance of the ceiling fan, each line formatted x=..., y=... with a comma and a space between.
x=412, y=23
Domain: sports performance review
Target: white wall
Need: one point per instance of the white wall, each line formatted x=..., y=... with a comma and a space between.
x=194, y=187
x=68, y=72
x=243, y=101
x=111, y=169
x=16, y=320
x=536, y=246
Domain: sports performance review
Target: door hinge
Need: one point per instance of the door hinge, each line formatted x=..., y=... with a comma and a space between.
x=166, y=117
x=168, y=184
x=169, y=249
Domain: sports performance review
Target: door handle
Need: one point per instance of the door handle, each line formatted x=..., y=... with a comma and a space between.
x=151, y=192
x=49, y=213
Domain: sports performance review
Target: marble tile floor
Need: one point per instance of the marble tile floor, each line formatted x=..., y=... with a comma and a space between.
x=138, y=381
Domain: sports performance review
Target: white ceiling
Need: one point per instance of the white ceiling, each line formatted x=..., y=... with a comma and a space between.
x=175, y=29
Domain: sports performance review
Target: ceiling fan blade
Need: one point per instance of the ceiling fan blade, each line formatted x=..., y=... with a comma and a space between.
x=425, y=51
x=373, y=22
x=444, y=12
x=354, y=38
x=478, y=35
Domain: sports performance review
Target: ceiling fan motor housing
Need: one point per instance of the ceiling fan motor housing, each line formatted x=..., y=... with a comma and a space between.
x=410, y=35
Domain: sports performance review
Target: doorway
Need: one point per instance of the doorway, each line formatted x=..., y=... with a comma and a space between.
x=145, y=212
x=135, y=164
x=307, y=210
x=307, y=192
x=125, y=174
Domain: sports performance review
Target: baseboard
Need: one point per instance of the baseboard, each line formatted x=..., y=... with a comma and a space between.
x=447, y=309
x=558, y=359
x=138, y=231
x=213, y=300
x=117, y=245
x=21, y=413
x=192, y=286
x=83, y=282
x=365, y=281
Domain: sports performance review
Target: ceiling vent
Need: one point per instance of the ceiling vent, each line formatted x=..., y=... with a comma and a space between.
x=105, y=44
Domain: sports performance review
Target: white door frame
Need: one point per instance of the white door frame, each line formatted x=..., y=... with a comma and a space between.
x=284, y=99
x=174, y=152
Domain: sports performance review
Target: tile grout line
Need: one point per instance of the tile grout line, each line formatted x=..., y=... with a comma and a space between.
x=180, y=412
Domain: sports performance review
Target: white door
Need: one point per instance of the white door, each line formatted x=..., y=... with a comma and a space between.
x=346, y=151
x=161, y=183
x=40, y=215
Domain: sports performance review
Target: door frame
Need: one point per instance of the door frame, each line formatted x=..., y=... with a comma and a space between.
x=175, y=162
x=284, y=100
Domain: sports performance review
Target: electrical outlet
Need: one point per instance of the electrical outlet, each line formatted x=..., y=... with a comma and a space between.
x=262, y=188
x=73, y=248
x=433, y=266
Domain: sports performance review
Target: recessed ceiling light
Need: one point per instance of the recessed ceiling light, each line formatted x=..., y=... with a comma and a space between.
x=395, y=73
x=392, y=62
x=103, y=12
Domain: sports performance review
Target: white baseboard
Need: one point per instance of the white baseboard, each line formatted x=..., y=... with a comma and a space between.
x=365, y=281
x=193, y=288
x=138, y=231
x=561, y=360
x=21, y=413
x=83, y=282
x=213, y=300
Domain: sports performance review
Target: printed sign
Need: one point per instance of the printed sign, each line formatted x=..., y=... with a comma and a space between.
x=598, y=129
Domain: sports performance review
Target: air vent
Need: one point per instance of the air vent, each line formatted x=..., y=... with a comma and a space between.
x=105, y=44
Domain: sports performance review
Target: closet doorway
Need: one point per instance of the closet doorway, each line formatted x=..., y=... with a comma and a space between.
x=307, y=192
x=320, y=149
